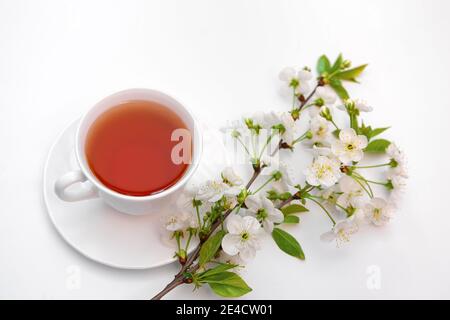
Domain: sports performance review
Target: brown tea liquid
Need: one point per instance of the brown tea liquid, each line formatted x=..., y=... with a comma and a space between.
x=128, y=148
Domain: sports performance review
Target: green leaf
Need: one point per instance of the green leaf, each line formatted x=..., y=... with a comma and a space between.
x=351, y=74
x=227, y=284
x=210, y=247
x=291, y=219
x=337, y=64
x=293, y=208
x=376, y=146
x=336, y=84
x=365, y=130
x=287, y=243
x=217, y=269
x=323, y=64
x=377, y=131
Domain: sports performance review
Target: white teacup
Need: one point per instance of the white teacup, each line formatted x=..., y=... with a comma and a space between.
x=82, y=184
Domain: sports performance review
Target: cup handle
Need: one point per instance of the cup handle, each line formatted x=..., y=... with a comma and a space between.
x=86, y=189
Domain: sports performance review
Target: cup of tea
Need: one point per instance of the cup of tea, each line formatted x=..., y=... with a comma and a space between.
x=136, y=150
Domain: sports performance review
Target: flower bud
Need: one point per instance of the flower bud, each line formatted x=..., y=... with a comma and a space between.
x=277, y=175
x=319, y=102
x=196, y=203
x=295, y=114
x=326, y=114
x=203, y=236
x=346, y=64
x=187, y=278
x=182, y=256
x=389, y=185
x=242, y=196
x=393, y=163
x=284, y=145
x=235, y=134
x=248, y=123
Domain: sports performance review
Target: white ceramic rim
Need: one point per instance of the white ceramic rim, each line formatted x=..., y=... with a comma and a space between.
x=197, y=143
x=61, y=234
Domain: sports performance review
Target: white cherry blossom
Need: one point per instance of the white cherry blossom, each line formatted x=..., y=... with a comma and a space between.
x=323, y=171
x=275, y=167
x=398, y=159
x=264, y=210
x=230, y=177
x=299, y=81
x=289, y=128
x=341, y=232
x=320, y=151
x=243, y=237
x=213, y=191
x=350, y=146
x=177, y=221
x=378, y=211
x=352, y=193
x=324, y=96
x=320, y=129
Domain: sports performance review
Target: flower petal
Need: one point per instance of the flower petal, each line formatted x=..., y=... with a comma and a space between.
x=362, y=141
x=247, y=253
x=328, y=236
x=267, y=225
x=266, y=203
x=230, y=243
x=251, y=224
x=347, y=134
x=276, y=216
x=235, y=224
x=287, y=74
x=253, y=203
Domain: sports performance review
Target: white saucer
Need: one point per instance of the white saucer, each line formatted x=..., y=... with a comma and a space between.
x=104, y=234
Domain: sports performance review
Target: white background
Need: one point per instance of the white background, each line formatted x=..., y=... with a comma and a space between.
x=57, y=58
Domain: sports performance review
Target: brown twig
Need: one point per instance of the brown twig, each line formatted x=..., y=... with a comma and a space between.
x=194, y=255
x=287, y=201
x=304, y=102
x=188, y=266
x=172, y=285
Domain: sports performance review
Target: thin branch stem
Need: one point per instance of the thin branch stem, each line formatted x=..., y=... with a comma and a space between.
x=294, y=98
x=188, y=242
x=266, y=144
x=308, y=97
x=324, y=209
x=285, y=202
x=370, y=194
x=243, y=145
x=253, y=178
x=263, y=185
x=198, y=217
x=334, y=124
x=370, y=181
x=374, y=166
x=301, y=138
x=365, y=181
x=188, y=266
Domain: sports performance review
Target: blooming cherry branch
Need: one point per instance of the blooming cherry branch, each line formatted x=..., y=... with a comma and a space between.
x=229, y=218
